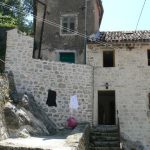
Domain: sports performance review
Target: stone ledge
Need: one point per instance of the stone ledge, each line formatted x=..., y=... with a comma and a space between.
x=79, y=138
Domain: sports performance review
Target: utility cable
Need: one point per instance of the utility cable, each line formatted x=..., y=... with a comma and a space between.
x=41, y=19
x=53, y=24
x=140, y=15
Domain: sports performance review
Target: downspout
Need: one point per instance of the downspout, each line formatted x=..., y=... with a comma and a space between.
x=93, y=92
x=34, y=24
x=42, y=29
x=85, y=33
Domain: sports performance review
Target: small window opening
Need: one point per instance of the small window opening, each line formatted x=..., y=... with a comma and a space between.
x=148, y=55
x=149, y=100
x=108, y=59
x=68, y=24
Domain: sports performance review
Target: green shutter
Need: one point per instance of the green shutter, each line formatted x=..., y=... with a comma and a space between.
x=67, y=57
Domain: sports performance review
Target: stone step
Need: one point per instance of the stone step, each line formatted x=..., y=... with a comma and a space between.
x=104, y=148
x=106, y=143
x=105, y=129
x=104, y=138
x=115, y=134
x=106, y=126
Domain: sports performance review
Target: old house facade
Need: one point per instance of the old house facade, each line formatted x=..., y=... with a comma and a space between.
x=113, y=84
x=121, y=70
x=61, y=37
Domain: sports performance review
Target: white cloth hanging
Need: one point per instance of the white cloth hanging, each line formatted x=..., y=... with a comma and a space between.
x=74, y=102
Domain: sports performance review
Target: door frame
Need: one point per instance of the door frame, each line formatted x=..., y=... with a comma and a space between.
x=95, y=107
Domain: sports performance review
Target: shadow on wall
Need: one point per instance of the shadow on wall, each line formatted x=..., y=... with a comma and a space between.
x=3, y=37
x=128, y=144
x=23, y=116
x=37, y=76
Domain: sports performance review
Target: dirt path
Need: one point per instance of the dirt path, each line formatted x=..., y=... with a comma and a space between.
x=48, y=143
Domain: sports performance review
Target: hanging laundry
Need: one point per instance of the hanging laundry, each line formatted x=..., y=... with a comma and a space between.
x=51, y=99
x=74, y=102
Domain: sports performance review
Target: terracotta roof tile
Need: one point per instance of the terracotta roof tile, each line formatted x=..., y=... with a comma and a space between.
x=120, y=36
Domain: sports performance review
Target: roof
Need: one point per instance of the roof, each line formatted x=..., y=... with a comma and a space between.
x=120, y=36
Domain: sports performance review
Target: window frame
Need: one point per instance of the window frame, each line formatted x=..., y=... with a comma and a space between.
x=67, y=53
x=149, y=101
x=69, y=16
x=148, y=58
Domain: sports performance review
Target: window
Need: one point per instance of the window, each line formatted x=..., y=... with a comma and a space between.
x=69, y=24
x=108, y=59
x=148, y=55
x=67, y=57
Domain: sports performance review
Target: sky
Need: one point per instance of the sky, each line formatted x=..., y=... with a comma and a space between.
x=122, y=15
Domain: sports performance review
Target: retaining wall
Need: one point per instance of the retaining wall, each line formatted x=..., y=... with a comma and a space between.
x=37, y=77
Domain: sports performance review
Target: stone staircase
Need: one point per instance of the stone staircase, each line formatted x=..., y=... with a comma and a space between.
x=104, y=137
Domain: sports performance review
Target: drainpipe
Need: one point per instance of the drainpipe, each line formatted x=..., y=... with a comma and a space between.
x=42, y=30
x=93, y=95
x=85, y=33
x=34, y=24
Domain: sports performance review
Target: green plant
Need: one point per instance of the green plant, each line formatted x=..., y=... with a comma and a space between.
x=8, y=21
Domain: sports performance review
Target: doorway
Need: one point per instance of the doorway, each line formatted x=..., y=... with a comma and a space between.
x=106, y=107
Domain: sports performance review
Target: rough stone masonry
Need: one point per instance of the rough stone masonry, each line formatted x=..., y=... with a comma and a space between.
x=129, y=78
x=37, y=77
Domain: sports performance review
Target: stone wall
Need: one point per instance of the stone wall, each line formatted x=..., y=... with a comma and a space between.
x=79, y=138
x=37, y=76
x=131, y=83
x=84, y=140
x=4, y=86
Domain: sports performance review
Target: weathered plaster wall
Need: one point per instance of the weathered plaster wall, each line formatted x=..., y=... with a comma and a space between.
x=37, y=76
x=53, y=40
x=130, y=80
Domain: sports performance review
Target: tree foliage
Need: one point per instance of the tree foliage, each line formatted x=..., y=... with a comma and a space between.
x=10, y=18
x=21, y=11
x=7, y=22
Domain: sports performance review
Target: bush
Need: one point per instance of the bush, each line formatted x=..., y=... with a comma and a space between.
x=8, y=21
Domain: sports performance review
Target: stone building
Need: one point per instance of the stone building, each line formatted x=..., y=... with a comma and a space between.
x=115, y=79
x=113, y=84
x=61, y=36
x=121, y=71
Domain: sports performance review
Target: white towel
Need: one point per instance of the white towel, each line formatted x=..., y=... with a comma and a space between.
x=74, y=102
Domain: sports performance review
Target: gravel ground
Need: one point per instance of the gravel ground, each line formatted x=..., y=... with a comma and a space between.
x=49, y=143
x=55, y=142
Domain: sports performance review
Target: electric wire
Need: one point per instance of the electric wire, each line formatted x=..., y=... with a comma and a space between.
x=61, y=27
x=44, y=20
x=53, y=24
x=140, y=15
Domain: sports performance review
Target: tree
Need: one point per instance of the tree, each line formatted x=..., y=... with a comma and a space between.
x=11, y=19
x=21, y=13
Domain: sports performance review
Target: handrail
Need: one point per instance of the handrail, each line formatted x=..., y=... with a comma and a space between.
x=118, y=124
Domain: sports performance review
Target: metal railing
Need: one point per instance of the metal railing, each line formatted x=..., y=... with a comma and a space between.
x=118, y=125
